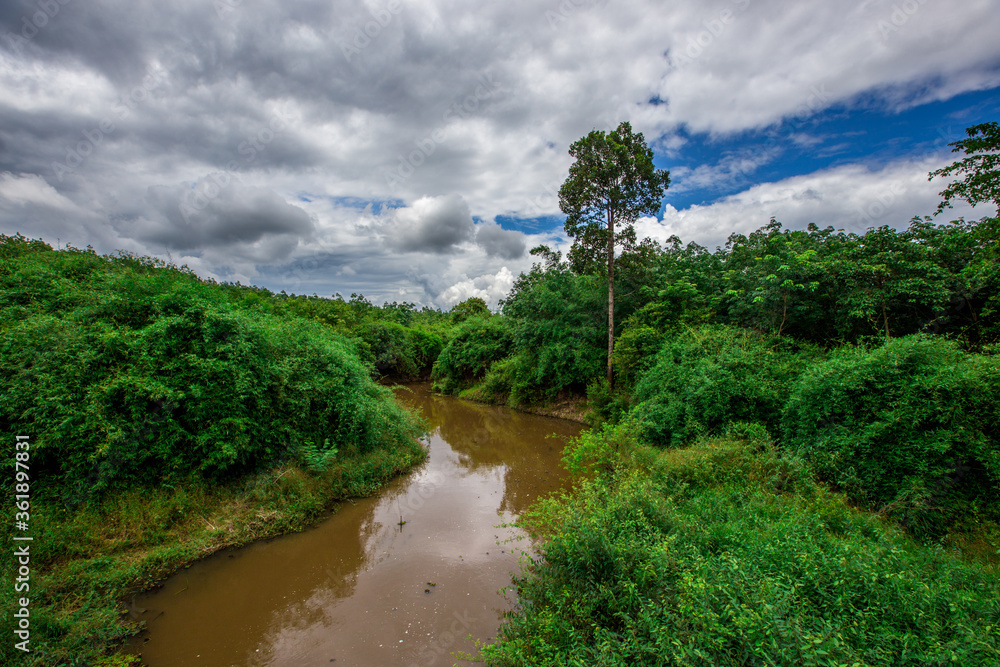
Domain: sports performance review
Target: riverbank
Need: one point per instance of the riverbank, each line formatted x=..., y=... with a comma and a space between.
x=565, y=406
x=105, y=552
x=399, y=578
x=728, y=552
x=160, y=417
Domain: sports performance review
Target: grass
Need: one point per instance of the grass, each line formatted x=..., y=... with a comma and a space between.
x=86, y=563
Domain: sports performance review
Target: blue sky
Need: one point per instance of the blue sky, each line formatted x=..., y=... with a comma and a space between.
x=414, y=150
x=859, y=130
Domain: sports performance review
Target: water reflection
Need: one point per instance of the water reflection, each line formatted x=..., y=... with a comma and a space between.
x=361, y=589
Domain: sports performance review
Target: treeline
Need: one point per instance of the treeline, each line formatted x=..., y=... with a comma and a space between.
x=869, y=354
x=818, y=286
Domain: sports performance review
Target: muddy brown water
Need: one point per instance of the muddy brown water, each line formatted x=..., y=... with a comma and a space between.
x=360, y=590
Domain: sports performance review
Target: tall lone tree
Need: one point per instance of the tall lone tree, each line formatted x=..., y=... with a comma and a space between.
x=611, y=183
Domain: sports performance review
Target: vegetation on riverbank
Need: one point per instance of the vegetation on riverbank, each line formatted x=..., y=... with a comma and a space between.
x=763, y=499
x=88, y=562
x=169, y=417
x=799, y=461
x=728, y=552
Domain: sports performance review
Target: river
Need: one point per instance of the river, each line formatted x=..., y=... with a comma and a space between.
x=402, y=578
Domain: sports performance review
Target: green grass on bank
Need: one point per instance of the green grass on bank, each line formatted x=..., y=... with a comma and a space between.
x=727, y=553
x=86, y=563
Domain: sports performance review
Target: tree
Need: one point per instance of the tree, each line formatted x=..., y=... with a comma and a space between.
x=981, y=168
x=471, y=307
x=611, y=183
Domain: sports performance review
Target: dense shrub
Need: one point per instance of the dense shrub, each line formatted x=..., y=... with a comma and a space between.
x=709, y=376
x=706, y=559
x=126, y=372
x=914, y=424
x=475, y=344
x=398, y=351
x=560, y=332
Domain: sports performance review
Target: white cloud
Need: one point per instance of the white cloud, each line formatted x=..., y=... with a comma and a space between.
x=20, y=190
x=849, y=197
x=479, y=103
x=490, y=288
x=430, y=224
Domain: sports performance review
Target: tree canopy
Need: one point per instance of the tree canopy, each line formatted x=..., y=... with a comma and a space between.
x=612, y=182
x=981, y=168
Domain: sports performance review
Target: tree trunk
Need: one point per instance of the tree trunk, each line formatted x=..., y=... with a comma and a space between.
x=611, y=293
x=784, y=317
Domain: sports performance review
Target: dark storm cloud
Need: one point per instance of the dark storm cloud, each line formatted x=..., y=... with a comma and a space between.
x=215, y=212
x=500, y=242
x=434, y=225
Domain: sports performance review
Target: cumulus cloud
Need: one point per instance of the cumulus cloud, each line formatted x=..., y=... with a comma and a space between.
x=490, y=288
x=431, y=224
x=499, y=242
x=850, y=197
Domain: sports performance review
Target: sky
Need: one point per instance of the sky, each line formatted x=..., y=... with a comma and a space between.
x=412, y=150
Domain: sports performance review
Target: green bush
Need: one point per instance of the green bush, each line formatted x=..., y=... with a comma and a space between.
x=475, y=344
x=635, y=351
x=125, y=371
x=706, y=559
x=398, y=351
x=560, y=332
x=708, y=376
x=912, y=427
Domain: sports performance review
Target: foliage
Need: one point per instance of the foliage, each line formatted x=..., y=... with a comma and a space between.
x=910, y=427
x=475, y=344
x=127, y=372
x=611, y=182
x=607, y=403
x=723, y=554
x=708, y=376
x=471, y=307
x=981, y=168
x=558, y=328
x=398, y=351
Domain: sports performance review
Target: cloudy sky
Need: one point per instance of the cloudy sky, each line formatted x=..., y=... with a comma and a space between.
x=412, y=149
